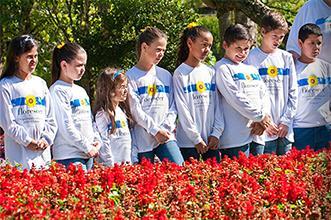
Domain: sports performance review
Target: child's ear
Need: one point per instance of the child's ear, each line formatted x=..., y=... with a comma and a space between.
x=300, y=43
x=189, y=42
x=63, y=64
x=144, y=46
x=263, y=31
x=225, y=45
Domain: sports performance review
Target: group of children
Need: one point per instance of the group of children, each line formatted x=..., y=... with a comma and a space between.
x=259, y=101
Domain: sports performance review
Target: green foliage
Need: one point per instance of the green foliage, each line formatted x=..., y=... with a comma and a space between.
x=107, y=29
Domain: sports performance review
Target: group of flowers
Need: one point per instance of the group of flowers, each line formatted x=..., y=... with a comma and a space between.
x=297, y=185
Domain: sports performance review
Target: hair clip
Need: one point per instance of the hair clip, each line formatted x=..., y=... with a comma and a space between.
x=116, y=74
x=59, y=46
x=192, y=25
x=25, y=40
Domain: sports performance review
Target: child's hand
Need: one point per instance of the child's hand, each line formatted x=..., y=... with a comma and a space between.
x=33, y=145
x=282, y=130
x=93, y=153
x=201, y=147
x=257, y=128
x=266, y=121
x=97, y=145
x=42, y=144
x=162, y=136
x=272, y=130
x=213, y=142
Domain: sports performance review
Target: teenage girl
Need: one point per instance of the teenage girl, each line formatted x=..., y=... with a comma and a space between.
x=200, y=114
x=25, y=114
x=77, y=141
x=151, y=100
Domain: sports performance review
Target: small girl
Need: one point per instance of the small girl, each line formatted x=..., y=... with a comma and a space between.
x=77, y=141
x=151, y=100
x=111, y=116
x=200, y=114
x=25, y=115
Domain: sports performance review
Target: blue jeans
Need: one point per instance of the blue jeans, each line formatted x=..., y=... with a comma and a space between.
x=192, y=152
x=256, y=149
x=234, y=152
x=316, y=138
x=169, y=151
x=280, y=146
x=86, y=164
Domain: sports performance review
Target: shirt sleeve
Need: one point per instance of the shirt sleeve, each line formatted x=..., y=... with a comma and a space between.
x=50, y=129
x=184, y=114
x=66, y=124
x=169, y=122
x=138, y=113
x=292, y=101
x=237, y=99
x=7, y=120
x=105, y=154
x=219, y=117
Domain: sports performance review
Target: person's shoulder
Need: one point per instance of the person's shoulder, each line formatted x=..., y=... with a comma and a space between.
x=182, y=69
x=39, y=80
x=130, y=72
x=162, y=71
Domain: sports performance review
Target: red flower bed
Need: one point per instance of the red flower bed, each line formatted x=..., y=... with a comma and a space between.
x=297, y=185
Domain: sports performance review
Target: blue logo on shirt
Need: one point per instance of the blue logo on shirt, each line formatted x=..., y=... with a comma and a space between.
x=200, y=87
x=79, y=102
x=151, y=90
x=29, y=101
x=280, y=71
x=119, y=124
x=247, y=76
x=313, y=81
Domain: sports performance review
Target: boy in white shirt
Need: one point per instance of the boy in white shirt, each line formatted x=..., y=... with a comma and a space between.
x=314, y=77
x=276, y=67
x=244, y=96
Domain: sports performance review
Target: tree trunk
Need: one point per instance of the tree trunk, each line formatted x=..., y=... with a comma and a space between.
x=246, y=12
x=254, y=9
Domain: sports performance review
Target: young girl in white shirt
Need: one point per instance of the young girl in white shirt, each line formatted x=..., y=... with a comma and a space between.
x=112, y=116
x=26, y=115
x=76, y=141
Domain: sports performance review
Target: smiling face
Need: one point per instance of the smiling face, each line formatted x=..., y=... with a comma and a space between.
x=271, y=40
x=237, y=51
x=200, y=47
x=153, y=52
x=27, y=62
x=311, y=47
x=75, y=69
x=121, y=92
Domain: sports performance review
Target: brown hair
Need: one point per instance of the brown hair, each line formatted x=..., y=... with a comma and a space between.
x=67, y=52
x=17, y=47
x=148, y=36
x=108, y=79
x=273, y=21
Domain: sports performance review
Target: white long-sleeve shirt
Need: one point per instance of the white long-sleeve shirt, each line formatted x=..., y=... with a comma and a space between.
x=152, y=105
x=314, y=81
x=244, y=99
x=26, y=114
x=116, y=147
x=316, y=12
x=200, y=113
x=278, y=73
x=76, y=132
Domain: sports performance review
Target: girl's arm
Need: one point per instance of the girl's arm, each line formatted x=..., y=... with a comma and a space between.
x=184, y=114
x=101, y=125
x=169, y=122
x=66, y=124
x=50, y=129
x=138, y=113
x=7, y=120
x=218, y=126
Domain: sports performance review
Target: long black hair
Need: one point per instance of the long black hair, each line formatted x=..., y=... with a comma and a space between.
x=17, y=47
